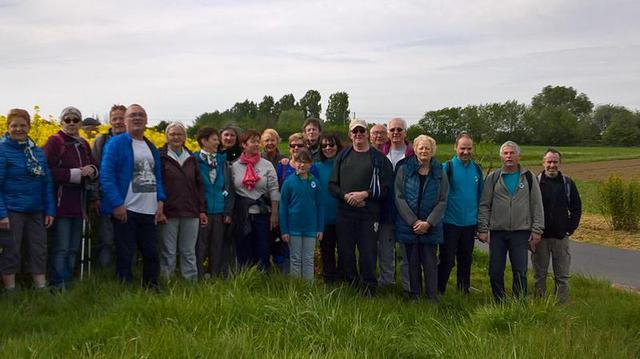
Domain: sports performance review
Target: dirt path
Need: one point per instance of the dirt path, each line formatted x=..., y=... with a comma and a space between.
x=599, y=170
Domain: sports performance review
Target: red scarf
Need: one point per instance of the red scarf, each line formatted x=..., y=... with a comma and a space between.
x=250, y=177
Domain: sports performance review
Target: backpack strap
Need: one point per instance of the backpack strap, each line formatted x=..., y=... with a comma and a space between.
x=529, y=176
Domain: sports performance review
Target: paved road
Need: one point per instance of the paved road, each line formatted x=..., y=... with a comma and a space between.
x=620, y=266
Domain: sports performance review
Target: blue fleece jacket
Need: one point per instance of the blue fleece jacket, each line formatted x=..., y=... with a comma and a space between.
x=20, y=191
x=283, y=172
x=330, y=202
x=116, y=171
x=214, y=193
x=465, y=186
x=301, y=210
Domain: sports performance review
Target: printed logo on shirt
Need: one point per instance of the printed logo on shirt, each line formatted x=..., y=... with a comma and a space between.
x=144, y=179
x=521, y=185
x=313, y=184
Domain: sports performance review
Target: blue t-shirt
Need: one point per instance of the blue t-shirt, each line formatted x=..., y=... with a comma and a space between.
x=511, y=181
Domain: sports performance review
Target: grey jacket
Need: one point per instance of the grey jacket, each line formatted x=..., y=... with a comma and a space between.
x=499, y=211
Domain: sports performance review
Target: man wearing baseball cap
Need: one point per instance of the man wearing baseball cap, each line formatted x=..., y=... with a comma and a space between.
x=361, y=179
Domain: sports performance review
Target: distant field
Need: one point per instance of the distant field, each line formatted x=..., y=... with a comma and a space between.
x=487, y=154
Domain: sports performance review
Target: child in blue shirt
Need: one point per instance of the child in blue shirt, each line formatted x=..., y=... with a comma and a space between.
x=301, y=216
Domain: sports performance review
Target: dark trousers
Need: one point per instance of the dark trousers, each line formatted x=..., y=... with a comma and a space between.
x=457, y=249
x=423, y=264
x=360, y=234
x=253, y=249
x=516, y=243
x=139, y=232
x=214, y=247
x=328, y=245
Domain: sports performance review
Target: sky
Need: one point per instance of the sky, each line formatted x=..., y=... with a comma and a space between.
x=180, y=59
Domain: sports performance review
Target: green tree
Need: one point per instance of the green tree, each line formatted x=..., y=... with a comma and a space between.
x=310, y=104
x=623, y=129
x=266, y=111
x=504, y=121
x=603, y=115
x=441, y=124
x=245, y=110
x=290, y=121
x=162, y=126
x=338, y=108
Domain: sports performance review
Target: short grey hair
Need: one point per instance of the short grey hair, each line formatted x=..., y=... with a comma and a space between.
x=427, y=139
x=173, y=124
x=510, y=144
x=398, y=119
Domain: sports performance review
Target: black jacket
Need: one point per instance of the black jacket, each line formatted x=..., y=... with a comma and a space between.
x=561, y=212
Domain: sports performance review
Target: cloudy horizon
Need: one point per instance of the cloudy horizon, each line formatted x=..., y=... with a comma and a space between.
x=181, y=59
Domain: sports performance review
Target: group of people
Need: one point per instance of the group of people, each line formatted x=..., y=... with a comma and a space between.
x=238, y=202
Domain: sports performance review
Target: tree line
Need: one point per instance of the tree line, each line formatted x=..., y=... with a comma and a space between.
x=558, y=115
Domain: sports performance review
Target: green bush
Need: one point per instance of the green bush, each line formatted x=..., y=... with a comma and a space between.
x=620, y=201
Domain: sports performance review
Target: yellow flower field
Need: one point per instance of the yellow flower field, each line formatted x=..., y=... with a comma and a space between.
x=42, y=129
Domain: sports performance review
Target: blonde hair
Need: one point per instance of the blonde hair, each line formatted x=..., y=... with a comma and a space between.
x=270, y=132
x=296, y=137
x=427, y=139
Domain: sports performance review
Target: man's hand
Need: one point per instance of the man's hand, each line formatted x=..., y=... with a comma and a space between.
x=534, y=239
x=483, y=237
x=226, y=219
x=48, y=221
x=319, y=236
x=356, y=199
x=95, y=206
x=4, y=223
x=285, y=238
x=120, y=213
x=274, y=220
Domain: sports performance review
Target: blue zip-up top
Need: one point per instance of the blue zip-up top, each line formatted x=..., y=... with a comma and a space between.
x=116, y=171
x=215, y=193
x=19, y=190
x=301, y=210
x=330, y=202
x=465, y=187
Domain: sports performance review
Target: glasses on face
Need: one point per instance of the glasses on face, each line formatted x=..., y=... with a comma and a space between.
x=328, y=145
x=396, y=129
x=358, y=130
x=296, y=145
x=68, y=120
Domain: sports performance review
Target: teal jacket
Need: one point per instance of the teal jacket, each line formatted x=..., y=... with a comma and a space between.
x=301, y=210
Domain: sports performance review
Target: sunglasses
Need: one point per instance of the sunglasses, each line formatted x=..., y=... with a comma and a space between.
x=295, y=145
x=328, y=145
x=69, y=120
x=358, y=130
x=396, y=129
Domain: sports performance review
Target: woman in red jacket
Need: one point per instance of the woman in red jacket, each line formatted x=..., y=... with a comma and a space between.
x=74, y=172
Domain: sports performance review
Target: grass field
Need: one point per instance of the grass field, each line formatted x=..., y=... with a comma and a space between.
x=253, y=315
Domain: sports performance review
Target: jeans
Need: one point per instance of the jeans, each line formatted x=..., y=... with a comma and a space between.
x=179, y=235
x=457, y=249
x=104, y=246
x=302, y=250
x=253, y=249
x=516, y=243
x=138, y=232
x=556, y=249
x=387, y=254
x=66, y=245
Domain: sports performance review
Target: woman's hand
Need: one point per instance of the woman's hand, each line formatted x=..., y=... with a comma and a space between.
x=4, y=223
x=274, y=220
x=204, y=219
x=319, y=236
x=421, y=227
x=48, y=221
x=285, y=238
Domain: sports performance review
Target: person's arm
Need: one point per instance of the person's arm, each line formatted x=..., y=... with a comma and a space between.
x=334, y=181
x=484, y=209
x=402, y=206
x=60, y=175
x=282, y=210
x=48, y=196
x=4, y=213
x=319, y=208
x=438, y=211
x=536, y=208
x=109, y=168
x=386, y=177
x=575, y=208
x=230, y=199
x=274, y=193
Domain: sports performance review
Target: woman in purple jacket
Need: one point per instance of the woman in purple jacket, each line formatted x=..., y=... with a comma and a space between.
x=74, y=172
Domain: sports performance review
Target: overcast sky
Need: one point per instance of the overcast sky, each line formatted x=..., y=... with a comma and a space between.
x=397, y=58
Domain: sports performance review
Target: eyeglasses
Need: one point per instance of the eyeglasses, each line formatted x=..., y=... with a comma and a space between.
x=358, y=130
x=396, y=129
x=328, y=145
x=296, y=145
x=69, y=120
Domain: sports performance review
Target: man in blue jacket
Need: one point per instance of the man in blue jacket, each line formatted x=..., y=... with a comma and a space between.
x=461, y=217
x=131, y=183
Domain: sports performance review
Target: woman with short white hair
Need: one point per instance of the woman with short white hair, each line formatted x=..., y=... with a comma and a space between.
x=184, y=209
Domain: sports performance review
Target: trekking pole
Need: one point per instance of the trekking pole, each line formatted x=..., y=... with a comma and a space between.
x=84, y=224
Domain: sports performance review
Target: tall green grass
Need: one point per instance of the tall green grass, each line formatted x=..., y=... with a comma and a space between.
x=253, y=315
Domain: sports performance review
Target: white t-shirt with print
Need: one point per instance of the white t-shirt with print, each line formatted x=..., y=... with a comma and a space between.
x=142, y=194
